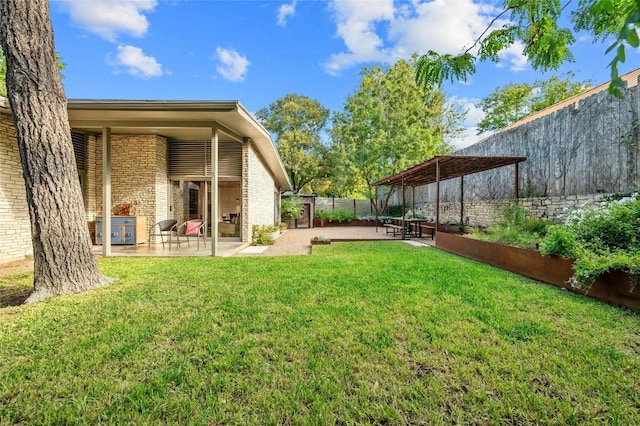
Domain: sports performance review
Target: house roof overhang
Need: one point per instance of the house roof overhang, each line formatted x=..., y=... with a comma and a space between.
x=179, y=120
x=450, y=166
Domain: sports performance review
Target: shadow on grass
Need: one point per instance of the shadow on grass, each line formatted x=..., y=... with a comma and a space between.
x=13, y=296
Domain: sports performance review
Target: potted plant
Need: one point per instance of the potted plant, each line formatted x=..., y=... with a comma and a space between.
x=291, y=209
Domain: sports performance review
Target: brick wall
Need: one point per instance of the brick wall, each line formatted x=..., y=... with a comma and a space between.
x=138, y=175
x=15, y=225
x=260, y=189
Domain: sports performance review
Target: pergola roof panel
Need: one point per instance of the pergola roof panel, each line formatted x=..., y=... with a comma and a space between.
x=450, y=166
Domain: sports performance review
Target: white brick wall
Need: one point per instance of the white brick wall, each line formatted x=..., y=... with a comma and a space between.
x=260, y=192
x=15, y=224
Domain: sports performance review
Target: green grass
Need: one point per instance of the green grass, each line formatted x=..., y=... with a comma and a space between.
x=369, y=333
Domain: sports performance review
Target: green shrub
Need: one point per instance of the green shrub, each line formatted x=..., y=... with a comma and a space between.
x=291, y=208
x=322, y=214
x=599, y=240
x=337, y=215
x=517, y=227
x=560, y=241
x=260, y=235
x=342, y=215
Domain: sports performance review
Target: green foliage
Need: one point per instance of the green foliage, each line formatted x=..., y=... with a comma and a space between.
x=599, y=240
x=3, y=74
x=387, y=125
x=337, y=215
x=517, y=227
x=536, y=25
x=260, y=235
x=515, y=101
x=298, y=123
x=560, y=240
x=291, y=208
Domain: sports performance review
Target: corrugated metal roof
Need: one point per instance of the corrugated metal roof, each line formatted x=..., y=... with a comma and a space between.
x=450, y=166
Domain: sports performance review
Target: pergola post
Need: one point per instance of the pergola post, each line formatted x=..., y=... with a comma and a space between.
x=106, y=191
x=517, y=180
x=214, y=190
x=461, y=200
x=437, y=194
x=403, y=212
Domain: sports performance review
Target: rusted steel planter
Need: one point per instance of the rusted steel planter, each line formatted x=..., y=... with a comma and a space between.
x=612, y=287
x=320, y=223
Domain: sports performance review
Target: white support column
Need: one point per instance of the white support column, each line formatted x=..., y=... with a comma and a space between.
x=214, y=191
x=106, y=191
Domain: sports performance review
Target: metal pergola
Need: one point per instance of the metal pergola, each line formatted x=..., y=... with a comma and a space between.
x=444, y=167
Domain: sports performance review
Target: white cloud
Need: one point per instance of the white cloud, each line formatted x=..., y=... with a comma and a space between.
x=474, y=115
x=384, y=31
x=514, y=56
x=137, y=63
x=233, y=66
x=110, y=18
x=284, y=11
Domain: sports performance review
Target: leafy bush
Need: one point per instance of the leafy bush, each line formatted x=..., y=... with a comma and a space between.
x=260, y=235
x=560, y=240
x=517, y=228
x=599, y=240
x=342, y=215
x=291, y=208
x=337, y=215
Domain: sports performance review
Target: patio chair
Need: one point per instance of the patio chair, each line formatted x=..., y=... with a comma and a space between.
x=164, y=228
x=190, y=228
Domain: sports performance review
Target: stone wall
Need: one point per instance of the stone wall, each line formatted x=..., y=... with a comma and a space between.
x=138, y=175
x=485, y=213
x=260, y=190
x=15, y=229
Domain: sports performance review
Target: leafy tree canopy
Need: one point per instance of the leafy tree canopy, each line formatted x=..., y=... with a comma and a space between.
x=536, y=24
x=515, y=101
x=297, y=122
x=388, y=124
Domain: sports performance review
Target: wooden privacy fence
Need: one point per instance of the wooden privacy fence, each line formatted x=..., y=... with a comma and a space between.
x=358, y=207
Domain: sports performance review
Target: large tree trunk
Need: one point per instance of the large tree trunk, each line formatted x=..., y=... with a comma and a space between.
x=63, y=262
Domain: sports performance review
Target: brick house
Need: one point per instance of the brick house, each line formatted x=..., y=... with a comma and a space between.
x=156, y=157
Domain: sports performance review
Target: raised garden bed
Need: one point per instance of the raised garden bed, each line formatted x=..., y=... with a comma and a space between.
x=612, y=287
x=320, y=223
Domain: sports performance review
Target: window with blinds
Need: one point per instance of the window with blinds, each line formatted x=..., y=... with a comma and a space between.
x=79, y=149
x=193, y=159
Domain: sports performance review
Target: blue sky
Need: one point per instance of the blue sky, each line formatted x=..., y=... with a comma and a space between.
x=257, y=51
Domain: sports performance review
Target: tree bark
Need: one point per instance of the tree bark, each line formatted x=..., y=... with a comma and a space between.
x=63, y=261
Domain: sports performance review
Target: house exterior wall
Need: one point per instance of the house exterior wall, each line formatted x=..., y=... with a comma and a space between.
x=138, y=175
x=15, y=232
x=259, y=192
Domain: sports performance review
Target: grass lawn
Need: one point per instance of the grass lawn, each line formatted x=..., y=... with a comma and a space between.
x=374, y=333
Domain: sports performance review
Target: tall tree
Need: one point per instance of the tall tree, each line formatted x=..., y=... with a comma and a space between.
x=387, y=125
x=3, y=71
x=63, y=261
x=298, y=121
x=515, y=101
x=3, y=74
x=537, y=25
